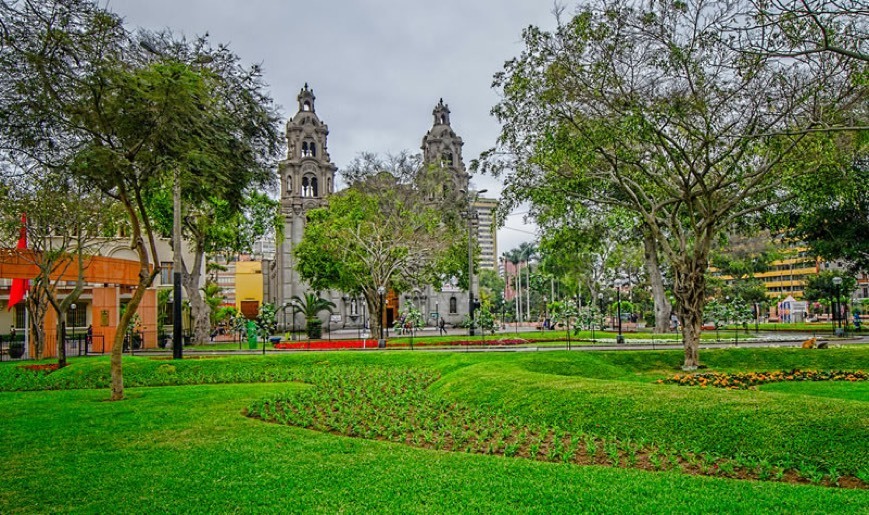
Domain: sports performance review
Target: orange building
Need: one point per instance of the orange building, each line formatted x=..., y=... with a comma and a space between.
x=109, y=285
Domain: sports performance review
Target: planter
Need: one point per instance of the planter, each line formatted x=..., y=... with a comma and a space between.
x=315, y=328
x=16, y=350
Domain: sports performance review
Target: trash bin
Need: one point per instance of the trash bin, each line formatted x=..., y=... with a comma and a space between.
x=251, y=335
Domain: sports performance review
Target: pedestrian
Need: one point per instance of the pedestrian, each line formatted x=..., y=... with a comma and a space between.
x=12, y=333
x=89, y=336
x=442, y=326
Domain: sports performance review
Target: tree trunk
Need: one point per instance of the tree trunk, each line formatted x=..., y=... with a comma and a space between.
x=38, y=306
x=374, y=314
x=117, y=382
x=659, y=294
x=61, y=341
x=689, y=288
x=200, y=312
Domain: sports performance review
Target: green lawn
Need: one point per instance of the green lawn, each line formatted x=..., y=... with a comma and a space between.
x=189, y=448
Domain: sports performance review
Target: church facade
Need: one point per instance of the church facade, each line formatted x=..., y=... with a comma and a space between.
x=307, y=178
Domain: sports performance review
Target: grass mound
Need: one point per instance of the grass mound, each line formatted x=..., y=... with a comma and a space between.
x=395, y=405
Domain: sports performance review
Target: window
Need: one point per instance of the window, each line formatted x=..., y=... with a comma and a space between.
x=454, y=306
x=77, y=317
x=166, y=269
x=313, y=147
x=19, y=315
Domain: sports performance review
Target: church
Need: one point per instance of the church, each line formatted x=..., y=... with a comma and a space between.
x=307, y=178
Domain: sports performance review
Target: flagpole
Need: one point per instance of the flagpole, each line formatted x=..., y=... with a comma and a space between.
x=26, y=327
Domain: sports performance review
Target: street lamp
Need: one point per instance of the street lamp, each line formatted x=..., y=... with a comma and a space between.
x=177, y=327
x=618, y=286
x=837, y=319
x=381, y=343
x=600, y=309
x=471, y=216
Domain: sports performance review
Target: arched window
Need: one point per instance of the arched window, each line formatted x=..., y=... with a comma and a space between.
x=313, y=148
x=305, y=149
x=306, y=106
x=454, y=306
x=314, y=192
x=305, y=187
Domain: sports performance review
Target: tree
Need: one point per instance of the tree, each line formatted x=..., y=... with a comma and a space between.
x=583, y=240
x=311, y=305
x=512, y=256
x=384, y=232
x=647, y=107
x=527, y=252
x=215, y=226
x=65, y=222
x=266, y=320
x=793, y=29
x=821, y=286
x=81, y=95
x=740, y=259
x=492, y=290
x=830, y=213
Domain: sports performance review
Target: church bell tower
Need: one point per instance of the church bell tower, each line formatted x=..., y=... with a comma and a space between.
x=441, y=146
x=307, y=179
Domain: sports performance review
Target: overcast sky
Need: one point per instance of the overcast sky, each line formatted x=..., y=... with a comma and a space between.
x=377, y=67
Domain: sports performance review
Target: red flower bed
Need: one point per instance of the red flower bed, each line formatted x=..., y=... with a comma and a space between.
x=328, y=344
x=47, y=368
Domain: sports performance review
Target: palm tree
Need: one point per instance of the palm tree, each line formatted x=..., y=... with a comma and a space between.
x=527, y=252
x=513, y=257
x=311, y=305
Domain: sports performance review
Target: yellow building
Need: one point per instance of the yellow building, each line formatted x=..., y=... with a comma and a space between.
x=248, y=287
x=788, y=276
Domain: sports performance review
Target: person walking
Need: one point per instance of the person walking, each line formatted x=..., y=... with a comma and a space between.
x=442, y=327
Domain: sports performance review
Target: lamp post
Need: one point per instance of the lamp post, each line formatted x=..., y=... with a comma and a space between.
x=381, y=343
x=618, y=285
x=837, y=305
x=600, y=309
x=177, y=326
x=471, y=216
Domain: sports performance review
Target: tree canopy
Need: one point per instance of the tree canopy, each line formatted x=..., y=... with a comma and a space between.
x=81, y=95
x=647, y=106
x=381, y=232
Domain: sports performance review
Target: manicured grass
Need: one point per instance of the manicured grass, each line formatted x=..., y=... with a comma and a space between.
x=189, y=448
x=855, y=391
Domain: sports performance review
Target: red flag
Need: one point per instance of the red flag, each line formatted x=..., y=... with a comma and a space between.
x=19, y=286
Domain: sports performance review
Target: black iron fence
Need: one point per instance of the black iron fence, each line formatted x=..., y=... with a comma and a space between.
x=77, y=344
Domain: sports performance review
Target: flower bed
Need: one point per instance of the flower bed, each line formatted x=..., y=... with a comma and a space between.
x=46, y=368
x=504, y=341
x=749, y=380
x=328, y=344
